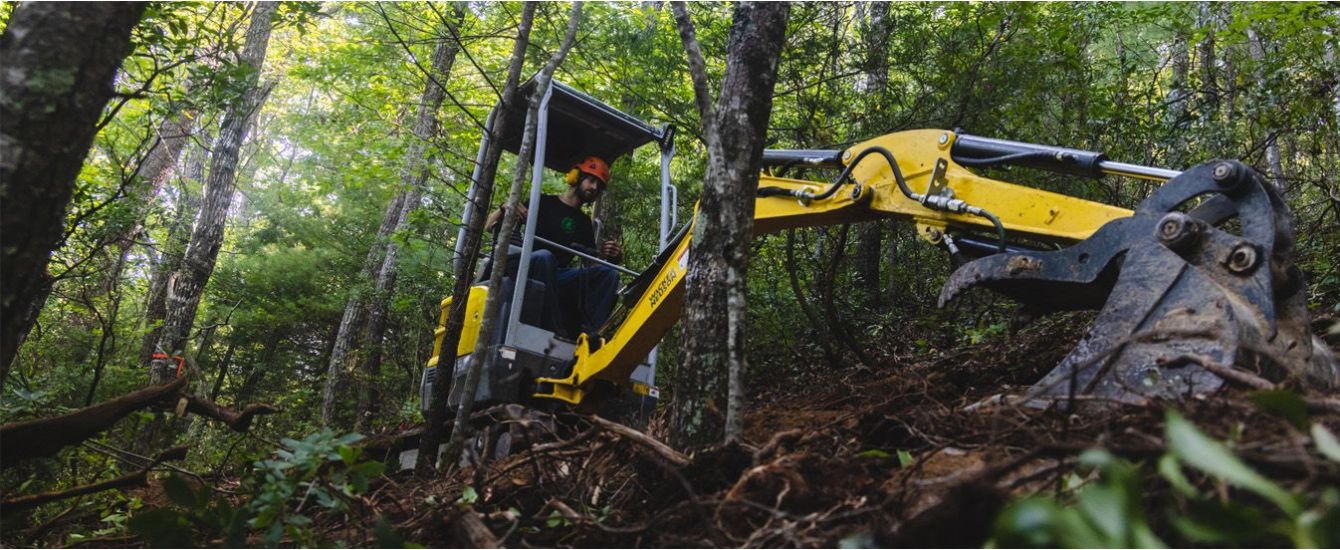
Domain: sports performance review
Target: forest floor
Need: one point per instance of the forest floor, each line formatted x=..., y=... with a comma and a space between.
x=914, y=451
x=894, y=455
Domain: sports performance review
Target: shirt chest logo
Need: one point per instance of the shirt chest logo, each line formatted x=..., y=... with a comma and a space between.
x=569, y=225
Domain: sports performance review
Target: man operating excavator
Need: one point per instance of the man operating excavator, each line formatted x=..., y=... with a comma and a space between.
x=580, y=298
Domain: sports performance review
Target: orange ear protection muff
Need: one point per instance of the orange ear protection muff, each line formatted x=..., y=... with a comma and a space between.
x=573, y=176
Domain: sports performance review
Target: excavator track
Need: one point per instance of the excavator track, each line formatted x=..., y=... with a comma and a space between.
x=1182, y=293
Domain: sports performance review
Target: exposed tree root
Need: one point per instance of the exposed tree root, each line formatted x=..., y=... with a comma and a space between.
x=662, y=450
x=472, y=530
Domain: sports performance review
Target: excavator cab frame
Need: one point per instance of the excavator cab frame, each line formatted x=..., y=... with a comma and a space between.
x=570, y=126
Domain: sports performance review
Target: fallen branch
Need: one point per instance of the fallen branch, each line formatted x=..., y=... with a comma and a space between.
x=566, y=511
x=1241, y=377
x=470, y=527
x=1251, y=380
x=382, y=446
x=235, y=420
x=137, y=478
x=110, y=541
x=46, y=436
x=661, y=449
x=577, y=519
x=69, y=515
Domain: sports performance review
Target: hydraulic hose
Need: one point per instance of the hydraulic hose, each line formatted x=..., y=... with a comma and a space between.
x=1000, y=227
x=842, y=178
x=934, y=202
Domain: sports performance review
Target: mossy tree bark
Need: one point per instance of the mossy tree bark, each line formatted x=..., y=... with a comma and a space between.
x=710, y=380
x=187, y=285
x=59, y=60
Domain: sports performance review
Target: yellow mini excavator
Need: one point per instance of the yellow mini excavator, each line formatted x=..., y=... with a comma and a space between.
x=1196, y=278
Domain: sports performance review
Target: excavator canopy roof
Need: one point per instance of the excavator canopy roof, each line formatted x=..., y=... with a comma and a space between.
x=579, y=126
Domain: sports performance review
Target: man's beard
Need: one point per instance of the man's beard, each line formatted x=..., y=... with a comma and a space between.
x=588, y=196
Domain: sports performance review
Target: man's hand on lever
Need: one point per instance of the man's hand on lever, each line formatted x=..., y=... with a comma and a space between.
x=611, y=250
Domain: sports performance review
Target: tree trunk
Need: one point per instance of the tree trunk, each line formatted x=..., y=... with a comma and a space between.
x=606, y=212
x=148, y=180
x=435, y=419
x=355, y=313
x=187, y=285
x=1176, y=118
x=510, y=221
x=828, y=300
x=108, y=337
x=223, y=370
x=1208, y=21
x=714, y=303
x=1331, y=58
x=173, y=248
x=256, y=372
x=870, y=239
x=414, y=176
x=379, y=299
x=59, y=61
x=171, y=137
x=816, y=328
x=1275, y=165
x=894, y=290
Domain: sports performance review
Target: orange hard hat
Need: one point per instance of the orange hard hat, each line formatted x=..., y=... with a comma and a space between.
x=594, y=166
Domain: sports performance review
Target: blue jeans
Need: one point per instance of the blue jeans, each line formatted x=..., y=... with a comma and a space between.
x=577, y=299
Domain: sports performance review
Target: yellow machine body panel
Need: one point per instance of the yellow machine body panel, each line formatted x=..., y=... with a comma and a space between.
x=875, y=195
x=474, y=314
x=1021, y=209
x=646, y=323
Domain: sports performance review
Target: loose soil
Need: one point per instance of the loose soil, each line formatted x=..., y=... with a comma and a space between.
x=819, y=464
x=916, y=450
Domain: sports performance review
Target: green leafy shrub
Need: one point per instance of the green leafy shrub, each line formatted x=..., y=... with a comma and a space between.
x=322, y=472
x=1108, y=513
x=193, y=516
x=323, y=469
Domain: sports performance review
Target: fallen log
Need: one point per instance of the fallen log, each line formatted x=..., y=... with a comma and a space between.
x=137, y=478
x=44, y=437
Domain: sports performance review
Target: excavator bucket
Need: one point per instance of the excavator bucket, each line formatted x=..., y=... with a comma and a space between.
x=1187, y=290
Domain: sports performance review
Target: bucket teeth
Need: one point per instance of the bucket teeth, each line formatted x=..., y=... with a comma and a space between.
x=1176, y=293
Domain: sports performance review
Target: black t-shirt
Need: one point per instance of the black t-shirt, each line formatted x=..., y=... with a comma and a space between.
x=564, y=225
